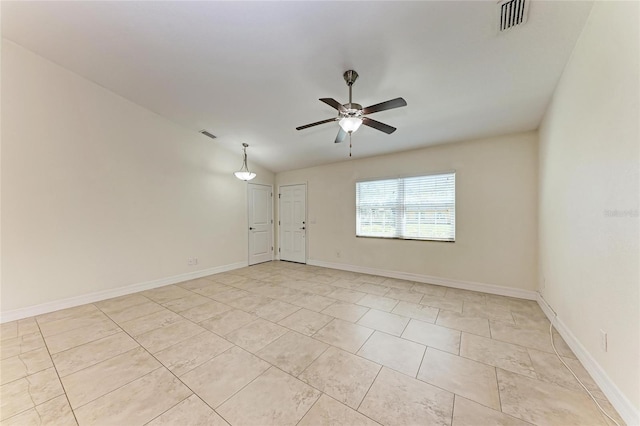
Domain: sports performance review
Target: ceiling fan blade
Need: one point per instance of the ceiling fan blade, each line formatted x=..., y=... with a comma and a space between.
x=333, y=103
x=341, y=135
x=382, y=106
x=378, y=125
x=306, y=126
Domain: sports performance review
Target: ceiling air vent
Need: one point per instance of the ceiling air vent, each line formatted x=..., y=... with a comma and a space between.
x=512, y=13
x=211, y=135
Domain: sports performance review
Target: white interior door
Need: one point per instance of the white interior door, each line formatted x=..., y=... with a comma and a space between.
x=293, y=223
x=260, y=223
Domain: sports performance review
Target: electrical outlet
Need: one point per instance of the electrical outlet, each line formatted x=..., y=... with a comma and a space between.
x=192, y=261
x=603, y=340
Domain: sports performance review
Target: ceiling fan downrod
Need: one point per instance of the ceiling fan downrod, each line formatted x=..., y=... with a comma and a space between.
x=350, y=77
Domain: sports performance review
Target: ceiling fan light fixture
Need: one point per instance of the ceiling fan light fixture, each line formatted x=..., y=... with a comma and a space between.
x=244, y=173
x=350, y=124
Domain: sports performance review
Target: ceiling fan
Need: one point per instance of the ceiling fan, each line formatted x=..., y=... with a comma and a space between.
x=352, y=115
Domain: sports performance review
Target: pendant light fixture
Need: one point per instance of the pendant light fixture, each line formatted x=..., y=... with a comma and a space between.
x=244, y=173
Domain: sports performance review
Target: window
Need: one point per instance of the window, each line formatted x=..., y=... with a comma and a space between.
x=411, y=208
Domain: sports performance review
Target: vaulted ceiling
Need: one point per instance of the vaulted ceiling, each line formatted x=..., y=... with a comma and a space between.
x=253, y=71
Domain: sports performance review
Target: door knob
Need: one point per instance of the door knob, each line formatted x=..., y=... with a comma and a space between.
x=303, y=227
x=250, y=228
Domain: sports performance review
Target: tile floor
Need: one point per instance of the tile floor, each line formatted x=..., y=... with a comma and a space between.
x=285, y=344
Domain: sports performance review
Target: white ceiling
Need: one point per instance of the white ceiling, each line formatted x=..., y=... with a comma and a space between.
x=253, y=71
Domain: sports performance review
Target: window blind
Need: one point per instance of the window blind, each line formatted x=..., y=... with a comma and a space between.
x=417, y=208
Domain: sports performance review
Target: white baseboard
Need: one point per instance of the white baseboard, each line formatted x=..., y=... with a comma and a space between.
x=447, y=282
x=97, y=296
x=620, y=402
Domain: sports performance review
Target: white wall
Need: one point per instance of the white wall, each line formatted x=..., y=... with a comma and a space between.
x=496, y=215
x=589, y=162
x=99, y=193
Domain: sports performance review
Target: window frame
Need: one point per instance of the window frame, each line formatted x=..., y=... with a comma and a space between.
x=396, y=211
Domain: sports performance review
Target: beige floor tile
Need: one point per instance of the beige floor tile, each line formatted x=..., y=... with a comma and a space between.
x=322, y=278
x=161, y=338
x=196, y=284
x=397, y=399
x=91, y=353
x=469, y=413
x=28, y=392
x=470, y=324
x=491, y=312
x=23, y=365
x=17, y=345
x=540, y=402
x=530, y=338
x=144, y=324
x=80, y=336
x=228, y=321
x=417, y=311
x=406, y=295
x=62, y=325
x=523, y=320
x=459, y=294
x=212, y=289
x=135, y=403
x=205, y=311
x=187, y=302
x=371, y=288
x=346, y=295
x=341, y=375
x=256, y=335
x=344, y=335
x=166, y=293
x=328, y=411
x=471, y=379
x=346, y=283
x=13, y=329
x=393, y=352
x=313, y=302
x=373, y=279
x=229, y=295
x=432, y=335
x=129, y=313
x=442, y=303
x=192, y=352
x=191, y=411
x=378, y=302
x=318, y=288
x=346, y=311
x=499, y=354
x=394, y=283
x=292, y=352
x=276, y=310
x=249, y=303
x=274, y=398
x=86, y=385
x=384, y=321
x=430, y=289
x=56, y=411
x=218, y=379
x=119, y=303
x=67, y=313
x=305, y=321
x=550, y=369
x=227, y=278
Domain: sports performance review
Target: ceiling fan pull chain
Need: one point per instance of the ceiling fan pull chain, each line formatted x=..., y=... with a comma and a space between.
x=349, y=144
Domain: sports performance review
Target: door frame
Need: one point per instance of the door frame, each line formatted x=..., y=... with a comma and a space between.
x=248, y=193
x=306, y=219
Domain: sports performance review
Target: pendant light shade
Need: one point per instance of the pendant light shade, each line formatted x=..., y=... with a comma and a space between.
x=244, y=173
x=350, y=124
